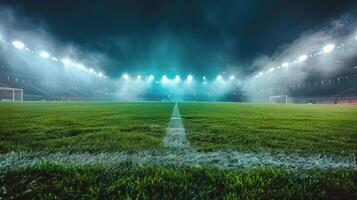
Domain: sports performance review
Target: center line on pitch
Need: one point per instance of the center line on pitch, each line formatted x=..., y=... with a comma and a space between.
x=176, y=134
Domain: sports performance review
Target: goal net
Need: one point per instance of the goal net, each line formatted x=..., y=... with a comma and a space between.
x=279, y=99
x=11, y=94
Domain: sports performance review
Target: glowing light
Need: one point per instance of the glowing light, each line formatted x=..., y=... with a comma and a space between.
x=80, y=66
x=18, y=44
x=164, y=79
x=231, y=77
x=66, y=61
x=204, y=78
x=151, y=77
x=100, y=74
x=138, y=77
x=271, y=69
x=44, y=54
x=286, y=64
x=189, y=78
x=91, y=70
x=219, y=77
x=177, y=78
x=302, y=58
x=126, y=76
x=356, y=37
x=328, y=48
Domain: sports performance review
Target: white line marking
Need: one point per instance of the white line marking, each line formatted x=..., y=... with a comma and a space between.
x=179, y=158
x=176, y=134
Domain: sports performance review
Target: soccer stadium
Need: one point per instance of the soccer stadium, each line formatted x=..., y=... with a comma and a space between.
x=178, y=99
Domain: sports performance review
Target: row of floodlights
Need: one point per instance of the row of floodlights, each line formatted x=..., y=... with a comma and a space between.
x=165, y=80
x=325, y=50
x=65, y=61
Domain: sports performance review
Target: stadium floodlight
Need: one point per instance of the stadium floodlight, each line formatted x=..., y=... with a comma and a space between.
x=66, y=61
x=44, y=54
x=80, y=67
x=259, y=75
x=164, y=79
x=100, y=74
x=151, y=77
x=18, y=44
x=189, y=77
x=91, y=70
x=204, y=77
x=286, y=64
x=138, y=77
x=271, y=69
x=302, y=58
x=328, y=48
x=231, y=77
x=126, y=76
x=219, y=77
x=177, y=78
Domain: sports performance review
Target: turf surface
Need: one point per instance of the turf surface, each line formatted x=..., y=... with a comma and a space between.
x=83, y=126
x=50, y=181
x=112, y=127
x=326, y=129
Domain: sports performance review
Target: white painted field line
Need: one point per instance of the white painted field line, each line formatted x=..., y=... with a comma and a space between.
x=176, y=134
x=181, y=158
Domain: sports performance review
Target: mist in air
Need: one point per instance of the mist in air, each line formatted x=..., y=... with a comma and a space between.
x=153, y=64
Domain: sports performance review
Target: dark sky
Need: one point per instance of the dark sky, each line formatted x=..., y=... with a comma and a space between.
x=180, y=36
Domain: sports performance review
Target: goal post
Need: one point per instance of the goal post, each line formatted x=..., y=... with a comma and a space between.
x=283, y=99
x=11, y=94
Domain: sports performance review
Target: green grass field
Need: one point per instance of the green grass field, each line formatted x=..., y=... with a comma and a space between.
x=94, y=127
x=125, y=182
x=273, y=128
x=83, y=126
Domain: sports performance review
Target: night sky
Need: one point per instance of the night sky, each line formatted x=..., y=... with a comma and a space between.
x=180, y=36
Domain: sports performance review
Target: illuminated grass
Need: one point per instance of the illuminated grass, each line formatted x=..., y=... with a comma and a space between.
x=114, y=151
x=271, y=128
x=49, y=181
x=83, y=126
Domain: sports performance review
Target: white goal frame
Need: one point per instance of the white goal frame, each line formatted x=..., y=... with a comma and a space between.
x=12, y=92
x=283, y=97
